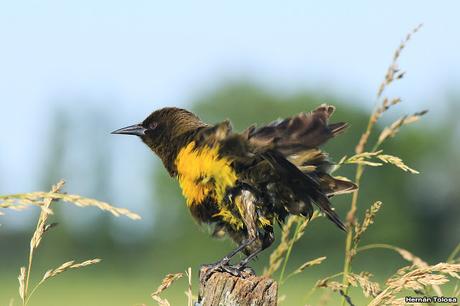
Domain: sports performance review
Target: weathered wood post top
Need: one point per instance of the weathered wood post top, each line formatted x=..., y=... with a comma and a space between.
x=224, y=289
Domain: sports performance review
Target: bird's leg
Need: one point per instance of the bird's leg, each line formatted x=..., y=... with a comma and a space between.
x=245, y=201
x=242, y=264
x=267, y=240
x=239, y=248
x=223, y=264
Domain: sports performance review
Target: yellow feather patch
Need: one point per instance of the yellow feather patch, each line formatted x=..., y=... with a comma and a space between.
x=230, y=218
x=264, y=222
x=202, y=172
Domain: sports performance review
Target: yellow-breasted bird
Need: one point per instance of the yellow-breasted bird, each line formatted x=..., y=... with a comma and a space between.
x=243, y=183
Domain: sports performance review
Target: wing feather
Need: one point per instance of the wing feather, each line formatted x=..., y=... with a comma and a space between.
x=298, y=133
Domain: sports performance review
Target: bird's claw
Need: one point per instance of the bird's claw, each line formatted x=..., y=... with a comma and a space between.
x=239, y=270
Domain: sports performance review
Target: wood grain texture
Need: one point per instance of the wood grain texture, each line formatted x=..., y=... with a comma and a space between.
x=224, y=289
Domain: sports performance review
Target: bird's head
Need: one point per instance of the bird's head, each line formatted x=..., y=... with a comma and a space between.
x=163, y=131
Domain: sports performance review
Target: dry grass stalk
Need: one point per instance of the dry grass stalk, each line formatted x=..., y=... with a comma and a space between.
x=370, y=288
x=363, y=140
x=303, y=223
x=333, y=285
x=276, y=257
x=393, y=70
x=39, y=232
x=416, y=279
x=279, y=254
x=404, y=270
x=67, y=266
x=368, y=220
x=41, y=224
x=453, y=256
x=456, y=291
x=22, y=285
x=370, y=215
x=189, y=293
x=54, y=272
x=34, y=197
x=393, y=73
x=390, y=159
x=309, y=264
x=386, y=297
x=13, y=205
x=44, y=200
x=336, y=287
x=393, y=129
x=362, y=159
x=167, y=281
x=416, y=261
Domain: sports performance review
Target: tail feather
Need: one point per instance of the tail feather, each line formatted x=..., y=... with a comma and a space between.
x=323, y=203
x=338, y=128
x=305, y=188
x=334, y=186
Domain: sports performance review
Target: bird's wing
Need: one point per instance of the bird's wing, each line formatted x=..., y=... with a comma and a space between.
x=298, y=133
x=297, y=138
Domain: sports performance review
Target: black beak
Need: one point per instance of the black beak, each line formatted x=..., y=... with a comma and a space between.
x=135, y=129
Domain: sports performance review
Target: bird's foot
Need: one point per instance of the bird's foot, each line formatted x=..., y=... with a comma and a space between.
x=238, y=270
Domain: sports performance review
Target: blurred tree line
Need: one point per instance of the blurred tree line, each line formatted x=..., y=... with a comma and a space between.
x=420, y=212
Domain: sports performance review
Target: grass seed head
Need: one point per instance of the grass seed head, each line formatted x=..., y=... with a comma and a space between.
x=167, y=281
x=370, y=288
x=67, y=266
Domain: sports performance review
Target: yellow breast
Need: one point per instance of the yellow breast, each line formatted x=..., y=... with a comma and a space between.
x=202, y=173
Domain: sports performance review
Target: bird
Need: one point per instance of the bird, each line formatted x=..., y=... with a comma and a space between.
x=243, y=184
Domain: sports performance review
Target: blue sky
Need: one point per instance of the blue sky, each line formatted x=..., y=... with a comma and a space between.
x=132, y=57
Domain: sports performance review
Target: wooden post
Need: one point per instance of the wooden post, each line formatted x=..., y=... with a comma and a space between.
x=224, y=289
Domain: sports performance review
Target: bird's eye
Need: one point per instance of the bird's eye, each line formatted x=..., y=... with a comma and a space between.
x=153, y=125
